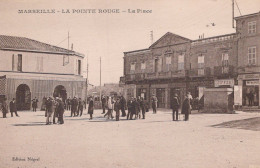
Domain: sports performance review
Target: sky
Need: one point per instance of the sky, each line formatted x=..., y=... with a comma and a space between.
x=108, y=35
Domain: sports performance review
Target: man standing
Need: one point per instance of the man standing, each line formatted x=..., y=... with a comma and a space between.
x=50, y=108
x=123, y=105
x=154, y=104
x=91, y=108
x=80, y=107
x=143, y=106
x=4, y=108
x=104, y=102
x=60, y=110
x=34, y=104
x=130, y=107
x=117, y=107
x=13, y=108
x=186, y=107
x=175, y=107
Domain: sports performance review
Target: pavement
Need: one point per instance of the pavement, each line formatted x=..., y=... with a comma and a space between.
x=205, y=141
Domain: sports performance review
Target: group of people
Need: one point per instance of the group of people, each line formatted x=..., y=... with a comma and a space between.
x=5, y=108
x=54, y=109
x=135, y=107
x=113, y=104
x=185, y=109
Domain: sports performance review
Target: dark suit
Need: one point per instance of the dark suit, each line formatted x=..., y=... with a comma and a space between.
x=175, y=107
x=60, y=110
x=13, y=108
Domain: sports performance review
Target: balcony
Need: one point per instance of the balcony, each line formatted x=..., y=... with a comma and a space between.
x=214, y=39
x=223, y=71
x=200, y=72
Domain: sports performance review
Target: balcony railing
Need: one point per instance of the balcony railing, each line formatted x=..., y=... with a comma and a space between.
x=213, y=39
x=199, y=72
x=223, y=70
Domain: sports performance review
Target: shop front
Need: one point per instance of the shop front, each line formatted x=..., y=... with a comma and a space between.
x=249, y=84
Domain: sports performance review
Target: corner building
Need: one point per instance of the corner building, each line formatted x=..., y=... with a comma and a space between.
x=175, y=64
x=30, y=68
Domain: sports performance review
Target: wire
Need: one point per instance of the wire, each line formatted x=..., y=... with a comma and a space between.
x=238, y=8
x=62, y=41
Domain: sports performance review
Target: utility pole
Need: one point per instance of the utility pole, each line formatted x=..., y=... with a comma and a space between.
x=87, y=81
x=100, y=82
x=68, y=40
x=233, y=26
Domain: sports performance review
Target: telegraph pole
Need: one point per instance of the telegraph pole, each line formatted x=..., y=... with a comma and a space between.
x=233, y=14
x=87, y=81
x=68, y=40
x=100, y=82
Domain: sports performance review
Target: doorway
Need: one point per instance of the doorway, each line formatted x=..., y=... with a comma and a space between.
x=23, y=97
x=160, y=94
x=60, y=91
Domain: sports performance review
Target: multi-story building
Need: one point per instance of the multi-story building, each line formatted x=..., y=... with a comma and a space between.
x=175, y=64
x=30, y=69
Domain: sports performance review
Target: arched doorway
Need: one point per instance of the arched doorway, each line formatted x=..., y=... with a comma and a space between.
x=23, y=97
x=60, y=91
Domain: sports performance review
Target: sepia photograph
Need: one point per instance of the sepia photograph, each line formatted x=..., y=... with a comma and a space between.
x=129, y=84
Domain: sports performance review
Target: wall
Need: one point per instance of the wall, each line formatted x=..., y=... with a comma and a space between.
x=52, y=63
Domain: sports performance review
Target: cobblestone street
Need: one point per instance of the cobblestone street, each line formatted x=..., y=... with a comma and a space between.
x=151, y=143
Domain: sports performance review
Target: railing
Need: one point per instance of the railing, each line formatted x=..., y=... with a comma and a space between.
x=199, y=72
x=223, y=70
x=213, y=39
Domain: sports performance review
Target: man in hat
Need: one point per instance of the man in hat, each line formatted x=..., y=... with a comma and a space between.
x=13, y=108
x=175, y=107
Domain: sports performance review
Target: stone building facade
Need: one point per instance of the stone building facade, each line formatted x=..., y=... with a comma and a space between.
x=30, y=69
x=175, y=64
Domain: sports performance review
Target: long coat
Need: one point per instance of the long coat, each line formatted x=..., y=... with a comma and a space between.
x=186, y=106
x=91, y=107
x=13, y=106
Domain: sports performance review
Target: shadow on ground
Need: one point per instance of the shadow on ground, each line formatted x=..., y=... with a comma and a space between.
x=31, y=124
x=247, y=124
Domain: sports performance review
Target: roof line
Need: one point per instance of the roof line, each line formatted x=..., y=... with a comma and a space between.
x=38, y=51
x=166, y=35
x=214, y=37
x=243, y=16
x=127, y=52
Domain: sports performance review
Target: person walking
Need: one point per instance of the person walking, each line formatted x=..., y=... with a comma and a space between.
x=175, y=107
x=117, y=107
x=4, y=108
x=186, y=107
x=154, y=104
x=60, y=110
x=91, y=108
x=123, y=105
x=13, y=108
x=110, y=108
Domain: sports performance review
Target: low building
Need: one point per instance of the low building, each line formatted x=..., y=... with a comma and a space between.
x=30, y=69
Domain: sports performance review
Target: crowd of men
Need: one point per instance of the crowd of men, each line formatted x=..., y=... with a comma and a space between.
x=136, y=107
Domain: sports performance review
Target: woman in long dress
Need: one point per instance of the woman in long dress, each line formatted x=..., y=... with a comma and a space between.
x=91, y=108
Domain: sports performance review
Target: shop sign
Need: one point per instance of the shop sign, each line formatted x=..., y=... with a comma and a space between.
x=252, y=82
x=224, y=82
